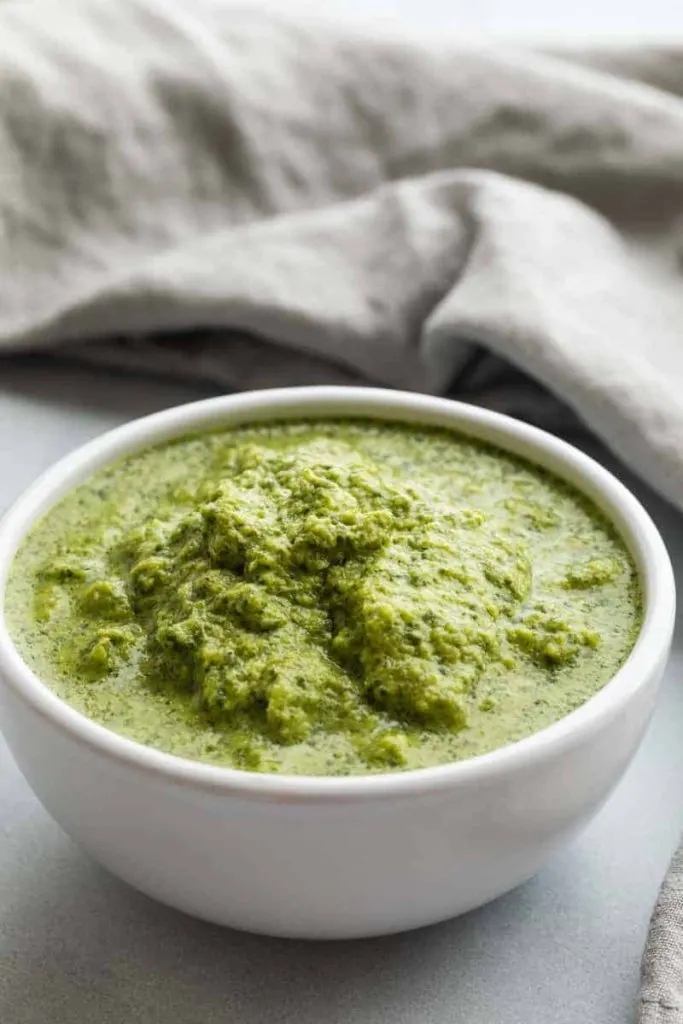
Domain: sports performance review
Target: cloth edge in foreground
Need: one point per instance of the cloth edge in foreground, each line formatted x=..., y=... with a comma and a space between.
x=661, y=992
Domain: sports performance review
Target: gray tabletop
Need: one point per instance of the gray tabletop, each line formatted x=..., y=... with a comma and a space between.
x=78, y=946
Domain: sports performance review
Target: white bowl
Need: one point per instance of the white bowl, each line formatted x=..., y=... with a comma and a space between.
x=334, y=857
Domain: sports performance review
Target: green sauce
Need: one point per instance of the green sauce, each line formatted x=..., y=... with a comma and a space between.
x=326, y=598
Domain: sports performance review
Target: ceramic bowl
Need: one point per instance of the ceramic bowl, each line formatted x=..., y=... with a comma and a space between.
x=334, y=857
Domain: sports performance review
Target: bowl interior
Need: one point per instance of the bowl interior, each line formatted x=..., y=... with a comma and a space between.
x=608, y=494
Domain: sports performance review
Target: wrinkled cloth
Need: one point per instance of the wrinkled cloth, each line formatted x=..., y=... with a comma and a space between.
x=231, y=194
x=661, y=992
x=238, y=196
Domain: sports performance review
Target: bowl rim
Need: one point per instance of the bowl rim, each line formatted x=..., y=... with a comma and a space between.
x=621, y=508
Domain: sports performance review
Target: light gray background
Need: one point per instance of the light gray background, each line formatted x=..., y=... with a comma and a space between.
x=76, y=946
x=608, y=20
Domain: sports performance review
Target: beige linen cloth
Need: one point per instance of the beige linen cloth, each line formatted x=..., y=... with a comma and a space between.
x=230, y=194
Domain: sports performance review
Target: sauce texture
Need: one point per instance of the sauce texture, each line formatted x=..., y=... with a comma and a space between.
x=324, y=597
